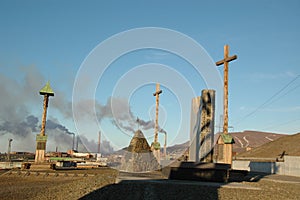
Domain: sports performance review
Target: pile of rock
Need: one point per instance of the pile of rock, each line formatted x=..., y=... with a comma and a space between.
x=138, y=156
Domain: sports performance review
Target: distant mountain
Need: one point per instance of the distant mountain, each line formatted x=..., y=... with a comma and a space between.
x=178, y=148
x=289, y=145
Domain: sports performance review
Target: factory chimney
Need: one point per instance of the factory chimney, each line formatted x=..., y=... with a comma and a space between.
x=99, y=142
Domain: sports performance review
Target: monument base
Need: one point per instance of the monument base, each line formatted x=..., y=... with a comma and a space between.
x=212, y=172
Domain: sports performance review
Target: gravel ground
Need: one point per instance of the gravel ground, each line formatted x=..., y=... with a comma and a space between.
x=99, y=184
x=164, y=190
x=77, y=184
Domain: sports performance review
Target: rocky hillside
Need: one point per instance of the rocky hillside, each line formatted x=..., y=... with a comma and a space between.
x=248, y=140
x=288, y=145
x=244, y=141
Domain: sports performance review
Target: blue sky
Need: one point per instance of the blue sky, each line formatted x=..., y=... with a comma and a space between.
x=50, y=40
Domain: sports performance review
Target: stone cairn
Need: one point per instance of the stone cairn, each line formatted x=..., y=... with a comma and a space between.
x=138, y=155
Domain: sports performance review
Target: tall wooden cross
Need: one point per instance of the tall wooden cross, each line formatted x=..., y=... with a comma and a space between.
x=156, y=94
x=225, y=61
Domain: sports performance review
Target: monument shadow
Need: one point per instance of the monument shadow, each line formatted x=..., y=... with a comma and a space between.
x=182, y=180
x=156, y=189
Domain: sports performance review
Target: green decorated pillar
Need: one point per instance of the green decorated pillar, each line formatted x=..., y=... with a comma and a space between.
x=41, y=139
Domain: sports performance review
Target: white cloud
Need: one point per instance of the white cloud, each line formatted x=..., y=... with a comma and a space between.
x=242, y=108
x=272, y=76
x=286, y=109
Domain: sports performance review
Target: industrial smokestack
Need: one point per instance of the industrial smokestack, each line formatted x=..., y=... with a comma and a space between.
x=99, y=141
x=77, y=139
x=73, y=144
x=9, y=149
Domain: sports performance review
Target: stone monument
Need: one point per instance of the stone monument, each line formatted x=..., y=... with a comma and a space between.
x=207, y=125
x=202, y=127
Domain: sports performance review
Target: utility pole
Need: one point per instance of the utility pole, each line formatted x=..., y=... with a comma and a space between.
x=41, y=138
x=165, y=146
x=220, y=123
x=155, y=146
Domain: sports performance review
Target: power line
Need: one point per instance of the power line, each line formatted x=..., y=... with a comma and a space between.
x=268, y=100
x=285, y=123
x=297, y=86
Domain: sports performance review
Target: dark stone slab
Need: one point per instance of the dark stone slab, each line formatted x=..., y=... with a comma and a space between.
x=213, y=172
x=237, y=175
